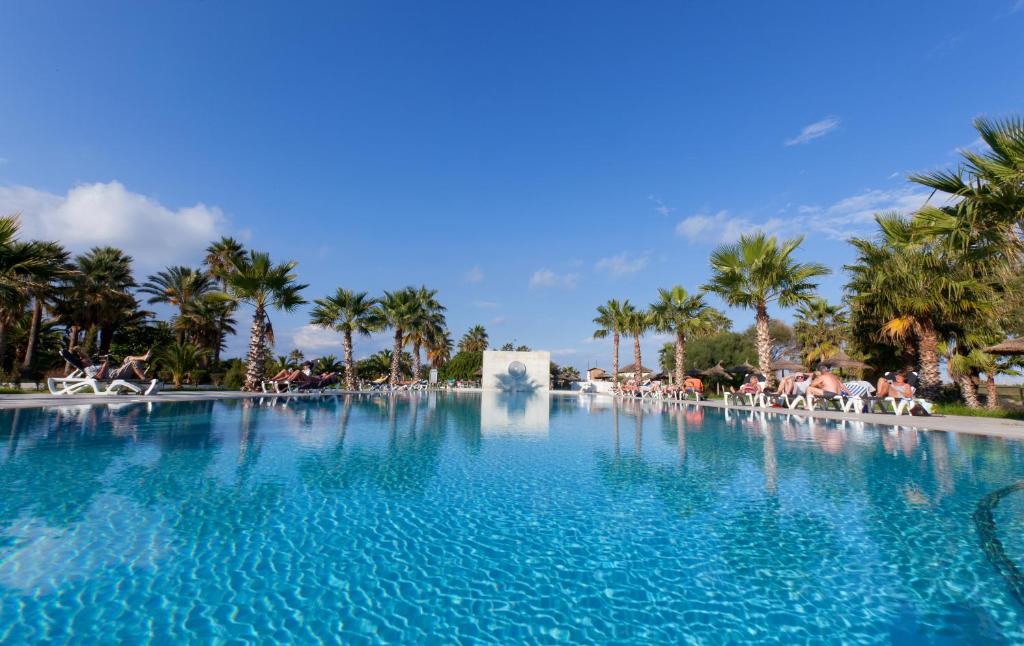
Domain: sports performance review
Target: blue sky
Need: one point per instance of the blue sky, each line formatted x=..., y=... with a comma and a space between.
x=529, y=160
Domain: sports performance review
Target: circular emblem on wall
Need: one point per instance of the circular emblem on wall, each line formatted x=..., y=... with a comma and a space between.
x=517, y=369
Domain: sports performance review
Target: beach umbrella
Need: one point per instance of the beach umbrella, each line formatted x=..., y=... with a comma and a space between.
x=743, y=369
x=785, y=364
x=717, y=372
x=1011, y=346
x=842, y=360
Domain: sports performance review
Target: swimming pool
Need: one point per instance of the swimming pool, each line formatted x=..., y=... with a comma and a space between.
x=494, y=518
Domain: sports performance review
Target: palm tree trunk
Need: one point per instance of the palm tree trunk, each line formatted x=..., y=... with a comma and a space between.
x=416, y=360
x=615, y=361
x=928, y=353
x=680, y=357
x=3, y=344
x=350, y=370
x=395, y=353
x=106, y=337
x=256, y=367
x=639, y=371
x=992, y=393
x=969, y=391
x=764, y=344
x=33, y=333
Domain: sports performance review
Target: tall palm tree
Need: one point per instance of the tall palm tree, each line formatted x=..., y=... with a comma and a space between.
x=636, y=323
x=439, y=348
x=685, y=315
x=427, y=323
x=397, y=311
x=758, y=271
x=610, y=318
x=23, y=267
x=348, y=312
x=255, y=280
x=179, y=287
x=475, y=340
x=819, y=328
x=914, y=292
x=98, y=299
x=990, y=185
x=43, y=291
x=207, y=320
x=220, y=258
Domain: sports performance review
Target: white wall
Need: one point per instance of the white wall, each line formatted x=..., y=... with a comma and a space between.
x=497, y=376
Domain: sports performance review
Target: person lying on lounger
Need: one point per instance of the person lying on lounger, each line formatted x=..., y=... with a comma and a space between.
x=796, y=383
x=827, y=385
x=752, y=387
x=130, y=368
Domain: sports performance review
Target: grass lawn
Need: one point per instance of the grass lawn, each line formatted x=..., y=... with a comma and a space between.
x=960, y=409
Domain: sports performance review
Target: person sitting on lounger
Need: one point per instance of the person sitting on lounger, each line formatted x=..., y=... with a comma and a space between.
x=898, y=388
x=826, y=385
x=130, y=368
x=693, y=385
x=795, y=384
x=752, y=387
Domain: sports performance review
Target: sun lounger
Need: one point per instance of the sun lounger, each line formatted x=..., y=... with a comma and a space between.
x=79, y=382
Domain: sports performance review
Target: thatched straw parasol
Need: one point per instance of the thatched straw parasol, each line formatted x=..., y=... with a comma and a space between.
x=843, y=360
x=693, y=373
x=717, y=372
x=1012, y=346
x=785, y=364
x=743, y=369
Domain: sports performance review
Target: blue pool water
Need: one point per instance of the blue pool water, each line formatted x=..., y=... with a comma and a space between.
x=441, y=518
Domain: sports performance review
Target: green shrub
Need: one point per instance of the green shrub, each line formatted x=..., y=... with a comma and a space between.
x=234, y=378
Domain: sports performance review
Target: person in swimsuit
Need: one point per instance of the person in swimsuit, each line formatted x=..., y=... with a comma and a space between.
x=826, y=385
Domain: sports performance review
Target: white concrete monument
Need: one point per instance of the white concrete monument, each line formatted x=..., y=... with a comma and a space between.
x=516, y=371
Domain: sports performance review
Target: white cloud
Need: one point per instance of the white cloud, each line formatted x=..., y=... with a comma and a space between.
x=109, y=214
x=498, y=320
x=855, y=215
x=722, y=227
x=659, y=207
x=622, y=264
x=474, y=275
x=485, y=305
x=562, y=352
x=311, y=338
x=1017, y=6
x=548, y=278
x=814, y=130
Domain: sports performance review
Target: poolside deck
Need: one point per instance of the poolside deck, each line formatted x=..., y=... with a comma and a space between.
x=959, y=424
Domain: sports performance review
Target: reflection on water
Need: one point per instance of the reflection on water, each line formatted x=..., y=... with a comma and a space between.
x=516, y=413
x=400, y=518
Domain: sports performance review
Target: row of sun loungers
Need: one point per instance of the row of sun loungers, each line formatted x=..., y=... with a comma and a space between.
x=78, y=382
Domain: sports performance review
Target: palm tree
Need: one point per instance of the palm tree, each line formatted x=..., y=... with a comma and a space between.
x=328, y=363
x=181, y=359
x=913, y=292
x=439, y=348
x=990, y=188
x=428, y=322
x=179, y=287
x=758, y=271
x=819, y=328
x=350, y=313
x=220, y=258
x=397, y=311
x=686, y=316
x=24, y=268
x=636, y=323
x=43, y=292
x=258, y=282
x=207, y=320
x=97, y=299
x=610, y=318
x=475, y=340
